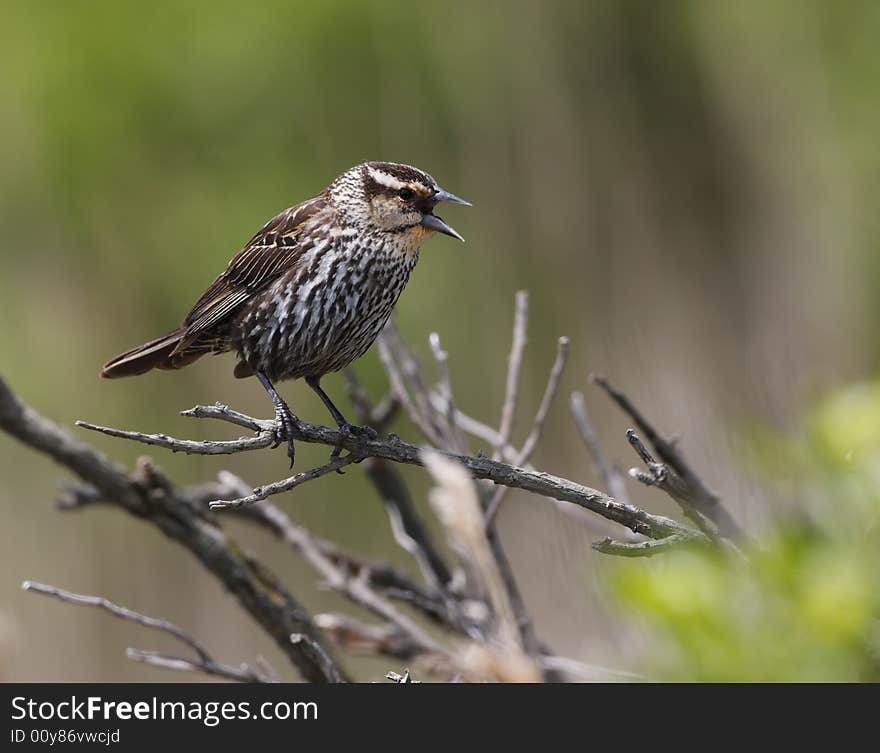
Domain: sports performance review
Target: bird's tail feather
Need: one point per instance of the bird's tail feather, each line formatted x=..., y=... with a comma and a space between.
x=156, y=354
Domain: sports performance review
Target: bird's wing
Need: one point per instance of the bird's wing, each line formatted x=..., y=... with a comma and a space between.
x=274, y=250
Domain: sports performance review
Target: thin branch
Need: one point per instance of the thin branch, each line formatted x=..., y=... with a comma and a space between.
x=699, y=496
x=647, y=548
x=357, y=588
x=543, y=484
x=514, y=368
x=534, y=437
x=379, y=417
x=407, y=386
x=669, y=481
x=380, y=576
x=456, y=440
x=547, y=399
x=472, y=426
x=285, y=485
x=612, y=479
x=189, y=446
x=204, y=663
x=406, y=524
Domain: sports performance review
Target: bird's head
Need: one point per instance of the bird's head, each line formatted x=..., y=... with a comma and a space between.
x=392, y=198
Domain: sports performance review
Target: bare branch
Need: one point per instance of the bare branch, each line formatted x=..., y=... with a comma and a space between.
x=456, y=441
x=406, y=524
x=285, y=485
x=380, y=575
x=204, y=663
x=514, y=368
x=472, y=426
x=404, y=375
x=543, y=484
x=379, y=417
x=647, y=548
x=699, y=496
x=547, y=399
x=172, y=512
x=531, y=443
x=189, y=446
x=312, y=648
x=669, y=481
x=611, y=476
x=356, y=587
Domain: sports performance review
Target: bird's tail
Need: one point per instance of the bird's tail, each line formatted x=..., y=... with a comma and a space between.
x=156, y=354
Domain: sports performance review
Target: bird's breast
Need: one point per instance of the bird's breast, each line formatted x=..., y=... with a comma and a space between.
x=328, y=311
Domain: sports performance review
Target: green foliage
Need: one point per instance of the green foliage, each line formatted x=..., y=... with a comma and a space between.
x=804, y=604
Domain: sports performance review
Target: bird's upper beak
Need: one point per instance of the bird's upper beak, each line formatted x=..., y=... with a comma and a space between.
x=433, y=222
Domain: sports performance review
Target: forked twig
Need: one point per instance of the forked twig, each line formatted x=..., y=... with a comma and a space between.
x=204, y=662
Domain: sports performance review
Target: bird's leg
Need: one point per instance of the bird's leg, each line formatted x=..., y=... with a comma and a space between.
x=345, y=428
x=283, y=415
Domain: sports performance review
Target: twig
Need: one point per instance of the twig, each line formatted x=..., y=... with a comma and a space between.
x=456, y=440
x=357, y=587
x=285, y=485
x=698, y=496
x=379, y=417
x=189, y=446
x=646, y=548
x=531, y=443
x=380, y=575
x=472, y=426
x=402, y=370
x=669, y=481
x=204, y=663
x=514, y=368
x=612, y=478
x=406, y=524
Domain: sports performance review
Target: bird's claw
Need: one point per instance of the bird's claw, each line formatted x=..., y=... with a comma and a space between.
x=284, y=430
x=349, y=431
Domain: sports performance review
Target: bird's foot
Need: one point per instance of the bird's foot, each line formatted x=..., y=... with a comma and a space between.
x=286, y=426
x=349, y=431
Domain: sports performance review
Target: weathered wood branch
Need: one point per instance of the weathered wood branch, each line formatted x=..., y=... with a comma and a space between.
x=203, y=661
x=151, y=498
x=396, y=450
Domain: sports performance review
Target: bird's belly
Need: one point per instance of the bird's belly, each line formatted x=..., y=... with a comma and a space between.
x=315, y=324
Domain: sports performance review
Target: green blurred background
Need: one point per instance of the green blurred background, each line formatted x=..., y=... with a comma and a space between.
x=687, y=189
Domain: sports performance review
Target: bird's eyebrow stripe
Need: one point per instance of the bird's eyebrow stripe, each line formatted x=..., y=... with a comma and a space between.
x=386, y=180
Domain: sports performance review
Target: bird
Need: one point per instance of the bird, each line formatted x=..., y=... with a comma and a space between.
x=311, y=290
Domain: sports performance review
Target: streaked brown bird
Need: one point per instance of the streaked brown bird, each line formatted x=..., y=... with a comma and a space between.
x=312, y=290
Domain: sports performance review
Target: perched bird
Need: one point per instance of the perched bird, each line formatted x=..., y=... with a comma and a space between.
x=312, y=290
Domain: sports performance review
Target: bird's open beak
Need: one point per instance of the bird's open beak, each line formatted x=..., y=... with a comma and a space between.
x=433, y=222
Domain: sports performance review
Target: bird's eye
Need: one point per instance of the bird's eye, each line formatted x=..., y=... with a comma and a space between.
x=406, y=193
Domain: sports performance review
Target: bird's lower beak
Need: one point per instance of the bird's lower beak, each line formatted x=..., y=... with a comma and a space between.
x=433, y=222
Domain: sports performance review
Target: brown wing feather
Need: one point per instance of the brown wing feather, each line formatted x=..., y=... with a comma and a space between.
x=272, y=251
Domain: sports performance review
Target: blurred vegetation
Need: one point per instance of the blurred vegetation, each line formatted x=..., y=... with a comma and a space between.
x=805, y=605
x=686, y=188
